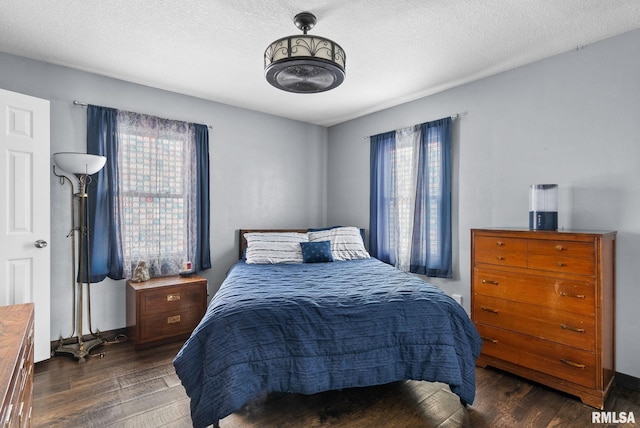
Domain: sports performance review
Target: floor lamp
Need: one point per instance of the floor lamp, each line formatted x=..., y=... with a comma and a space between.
x=83, y=166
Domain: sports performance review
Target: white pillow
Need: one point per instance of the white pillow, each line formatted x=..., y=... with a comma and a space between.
x=274, y=247
x=346, y=242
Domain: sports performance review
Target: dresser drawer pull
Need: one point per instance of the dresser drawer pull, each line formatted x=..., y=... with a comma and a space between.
x=7, y=420
x=560, y=264
x=577, y=296
x=500, y=258
x=500, y=244
x=173, y=319
x=493, y=311
x=488, y=339
x=559, y=248
x=572, y=364
x=173, y=297
x=490, y=281
x=21, y=413
x=576, y=329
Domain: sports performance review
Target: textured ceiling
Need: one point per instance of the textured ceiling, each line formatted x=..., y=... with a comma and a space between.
x=397, y=50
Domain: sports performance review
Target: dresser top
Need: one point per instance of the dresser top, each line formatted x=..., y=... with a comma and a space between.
x=14, y=324
x=546, y=234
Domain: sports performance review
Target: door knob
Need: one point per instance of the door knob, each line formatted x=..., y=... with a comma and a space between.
x=40, y=243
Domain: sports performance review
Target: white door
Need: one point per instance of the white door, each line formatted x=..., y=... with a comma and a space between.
x=25, y=174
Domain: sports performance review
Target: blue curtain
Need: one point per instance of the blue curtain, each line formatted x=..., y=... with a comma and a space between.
x=203, y=258
x=105, y=250
x=382, y=147
x=433, y=200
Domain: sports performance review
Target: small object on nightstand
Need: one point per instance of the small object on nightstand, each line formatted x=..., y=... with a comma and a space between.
x=187, y=270
x=141, y=273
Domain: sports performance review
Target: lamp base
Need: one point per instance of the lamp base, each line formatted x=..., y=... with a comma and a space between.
x=79, y=350
x=543, y=220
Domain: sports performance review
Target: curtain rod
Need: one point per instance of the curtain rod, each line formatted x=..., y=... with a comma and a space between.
x=81, y=104
x=453, y=117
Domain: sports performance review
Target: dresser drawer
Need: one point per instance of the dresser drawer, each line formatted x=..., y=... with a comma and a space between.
x=544, y=323
x=565, y=362
x=501, y=251
x=562, y=256
x=556, y=293
x=168, y=299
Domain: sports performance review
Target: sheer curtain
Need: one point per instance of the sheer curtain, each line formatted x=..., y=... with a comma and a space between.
x=157, y=167
x=410, y=211
x=155, y=196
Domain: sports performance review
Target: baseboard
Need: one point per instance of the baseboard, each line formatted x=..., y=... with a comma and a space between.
x=628, y=381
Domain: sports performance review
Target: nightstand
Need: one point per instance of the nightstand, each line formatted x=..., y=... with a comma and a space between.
x=164, y=309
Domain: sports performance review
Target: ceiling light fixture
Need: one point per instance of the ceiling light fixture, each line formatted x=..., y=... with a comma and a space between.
x=304, y=64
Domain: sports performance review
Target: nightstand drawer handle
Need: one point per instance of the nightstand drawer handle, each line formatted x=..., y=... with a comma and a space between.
x=493, y=311
x=577, y=296
x=560, y=264
x=500, y=258
x=559, y=248
x=173, y=297
x=576, y=329
x=500, y=244
x=488, y=339
x=173, y=319
x=489, y=281
x=572, y=364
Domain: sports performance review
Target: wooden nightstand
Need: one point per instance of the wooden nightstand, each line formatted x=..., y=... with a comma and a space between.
x=164, y=309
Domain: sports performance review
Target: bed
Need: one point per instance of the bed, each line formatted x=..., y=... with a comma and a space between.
x=313, y=327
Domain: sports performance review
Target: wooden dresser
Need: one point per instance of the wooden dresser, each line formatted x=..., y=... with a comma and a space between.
x=16, y=364
x=543, y=303
x=164, y=309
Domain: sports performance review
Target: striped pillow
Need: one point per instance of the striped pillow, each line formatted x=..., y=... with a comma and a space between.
x=346, y=242
x=274, y=247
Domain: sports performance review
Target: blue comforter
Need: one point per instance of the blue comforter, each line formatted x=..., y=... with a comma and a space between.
x=307, y=328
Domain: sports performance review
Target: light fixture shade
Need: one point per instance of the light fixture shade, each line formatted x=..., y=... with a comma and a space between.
x=303, y=63
x=79, y=163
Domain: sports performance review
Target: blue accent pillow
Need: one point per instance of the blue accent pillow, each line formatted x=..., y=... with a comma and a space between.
x=316, y=252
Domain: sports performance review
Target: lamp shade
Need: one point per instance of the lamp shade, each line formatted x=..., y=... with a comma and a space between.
x=79, y=163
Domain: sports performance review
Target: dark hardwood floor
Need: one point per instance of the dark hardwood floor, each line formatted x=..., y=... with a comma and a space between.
x=125, y=388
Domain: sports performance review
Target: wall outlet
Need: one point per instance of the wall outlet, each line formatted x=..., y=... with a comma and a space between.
x=457, y=298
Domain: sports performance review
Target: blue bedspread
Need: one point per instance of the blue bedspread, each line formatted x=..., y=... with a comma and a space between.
x=307, y=328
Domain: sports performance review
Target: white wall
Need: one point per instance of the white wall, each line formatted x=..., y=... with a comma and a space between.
x=573, y=119
x=265, y=171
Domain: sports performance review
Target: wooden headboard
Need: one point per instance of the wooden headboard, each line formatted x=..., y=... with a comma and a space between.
x=243, y=242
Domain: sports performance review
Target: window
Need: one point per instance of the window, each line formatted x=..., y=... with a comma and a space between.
x=151, y=200
x=410, y=209
x=156, y=193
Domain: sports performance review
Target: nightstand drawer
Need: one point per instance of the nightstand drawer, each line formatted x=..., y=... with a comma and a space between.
x=171, y=298
x=161, y=326
x=542, y=322
x=562, y=361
